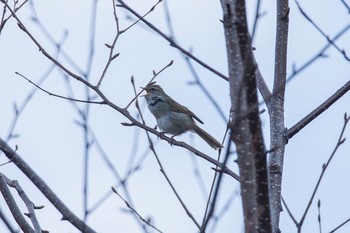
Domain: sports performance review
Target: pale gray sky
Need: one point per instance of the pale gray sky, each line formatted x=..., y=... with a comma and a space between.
x=51, y=143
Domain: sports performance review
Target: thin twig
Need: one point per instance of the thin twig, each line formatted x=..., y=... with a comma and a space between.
x=225, y=209
x=341, y=225
x=155, y=74
x=15, y=9
x=123, y=111
x=209, y=213
x=144, y=16
x=2, y=22
x=198, y=176
x=85, y=113
x=318, y=111
x=346, y=5
x=319, y=215
x=19, y=109
x=160, y=135
x=320, y=54
x=112, y=56
x=340, y=141
x=50, y=38
x=214, y=181
x=59, y=96
x=190, y=65
x=135, y=212
x=342, y=51
x=257, y=17
x=289, y=211
x=162, y=168
x=171, y=41
x=121, y=180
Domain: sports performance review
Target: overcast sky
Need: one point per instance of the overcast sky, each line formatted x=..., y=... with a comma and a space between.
x=51, y=142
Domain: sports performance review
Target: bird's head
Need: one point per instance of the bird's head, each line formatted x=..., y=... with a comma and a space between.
x=153, y=90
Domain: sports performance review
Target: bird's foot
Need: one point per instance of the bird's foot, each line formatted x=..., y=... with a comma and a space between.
x=161, y=134
x=172, y=140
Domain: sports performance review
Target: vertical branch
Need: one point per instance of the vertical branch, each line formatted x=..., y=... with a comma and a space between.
x=86, y=111
x=245, y=120
x=257, y=17
x=276, y=112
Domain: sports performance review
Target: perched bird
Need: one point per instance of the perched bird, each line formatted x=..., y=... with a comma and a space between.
x=174, y=118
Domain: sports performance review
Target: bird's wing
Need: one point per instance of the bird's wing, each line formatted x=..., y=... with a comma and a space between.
x=176, y=107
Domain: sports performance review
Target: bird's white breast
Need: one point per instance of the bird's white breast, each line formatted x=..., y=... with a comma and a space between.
x=175, y=122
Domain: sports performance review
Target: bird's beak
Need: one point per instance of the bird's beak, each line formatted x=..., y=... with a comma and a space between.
x=145, y=89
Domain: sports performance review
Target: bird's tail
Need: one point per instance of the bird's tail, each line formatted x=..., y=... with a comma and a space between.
x=208, y=138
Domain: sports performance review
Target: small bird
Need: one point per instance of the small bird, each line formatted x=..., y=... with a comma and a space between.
x=174, y=118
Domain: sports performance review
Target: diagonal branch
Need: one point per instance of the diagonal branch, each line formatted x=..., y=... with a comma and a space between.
x=320, y=54
x=121, y=110
x=44, y=188
x=342, y=51
x=11, y=203
x=134, y=211
x=171, y=41
x=340, y=141
x=318, y=111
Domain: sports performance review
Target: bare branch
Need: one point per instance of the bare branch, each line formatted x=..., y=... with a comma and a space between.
x=346, y=5
x=289, y=211
x=319, y=215
x=112, y=56
x=257, y=17
x=190, y=215
x=342, y=51
x=123, y=111
x=155, y=74
x=320, y=54
x=135, y=212
x=11, y=203
x=171, y=41
x=197, y=80
x=27, y=201
x=340, y=226
x=42, y=186
x=59, y=96
x=4, y=20
x=212, y=201
x=318, y=111
x=276, y=112
x=324, y=168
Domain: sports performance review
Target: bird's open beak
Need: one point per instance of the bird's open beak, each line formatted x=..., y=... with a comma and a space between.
x=145, y=89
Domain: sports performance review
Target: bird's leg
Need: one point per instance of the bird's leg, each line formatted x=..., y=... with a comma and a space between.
x=172, y=139
x=161, y=134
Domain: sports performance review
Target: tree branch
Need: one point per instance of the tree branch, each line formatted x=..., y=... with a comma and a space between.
x=276, y=112
x=11, y=203
x=171, y=41
x=245, y=119
x=44, y=188
x=318, y=111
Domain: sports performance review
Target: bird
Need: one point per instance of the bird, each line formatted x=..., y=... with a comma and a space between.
x=174, y=118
